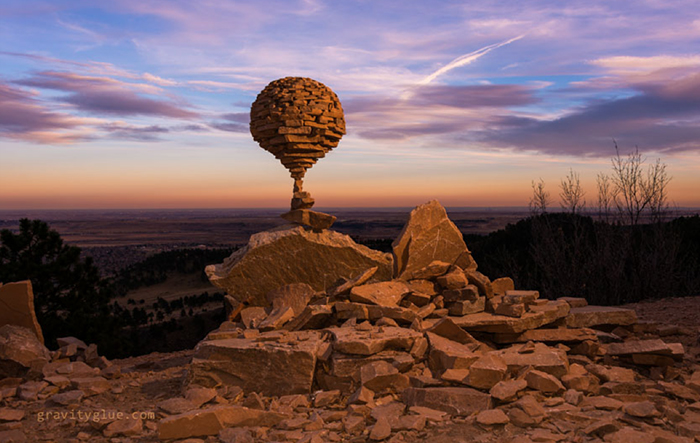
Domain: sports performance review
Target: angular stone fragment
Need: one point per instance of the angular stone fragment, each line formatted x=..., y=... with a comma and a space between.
x=611, y=373
x=507, y=390
x=210, y=421
x=602, y=402
x=381, y=429
x=447, y=354
x=346, y=286
x=454, y=401
x=448, y=329
x=352, y=341
x=257, y=365
x=9, y=414
x=176, y=405
x=554, y=335
x=469, y=293
x=454, y=279
x=464, y=307
x=543, y=382
x=312, y=317
x=575, y=302
x=492, y=417
x=20, y=350
x=642, y=409
x=514, y=297
x=432, y=270
x=294, y=255
x=655, y=346
x=510, y=310
x=17, y=307
x=68, y=398
x=387, y=293
x=318, y=221
x=91, y=385
x=126, y=427
x=542, y=358
x=427, y=236
x=295, y=296
x=501, y=285
x=481, y=281
x=487, y=322
x=587, y=316
x=488, y=370
x=277, y=318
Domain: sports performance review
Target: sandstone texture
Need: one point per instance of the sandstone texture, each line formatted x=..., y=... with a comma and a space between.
x=429, y=235
x=17, y=307
x=293, y=255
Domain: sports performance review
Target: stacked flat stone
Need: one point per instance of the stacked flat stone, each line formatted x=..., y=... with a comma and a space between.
x=298, y=120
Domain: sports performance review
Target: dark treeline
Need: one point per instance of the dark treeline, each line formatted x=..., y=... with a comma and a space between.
x=72, y=299
x=155, y=269
x=564, y=254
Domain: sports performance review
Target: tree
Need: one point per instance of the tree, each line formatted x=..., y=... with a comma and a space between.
x=637, y=192
x=70, y=298
x=540, y=198
x=572, y=195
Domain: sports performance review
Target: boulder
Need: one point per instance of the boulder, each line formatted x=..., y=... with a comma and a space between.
x=427, y=236
x=273, y=364
x=542, y=358
x=17, y=307
x=20, y=350
x=553, y=335
x=447, y=354
x=289, y=254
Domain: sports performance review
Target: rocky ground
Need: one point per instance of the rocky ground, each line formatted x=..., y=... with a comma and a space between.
x=433, y=351
x=659, y=406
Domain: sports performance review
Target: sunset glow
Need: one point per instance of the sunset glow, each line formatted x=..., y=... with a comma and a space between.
x=132, y=104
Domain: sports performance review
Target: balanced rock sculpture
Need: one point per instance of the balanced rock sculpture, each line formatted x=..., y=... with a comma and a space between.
x=298, y=120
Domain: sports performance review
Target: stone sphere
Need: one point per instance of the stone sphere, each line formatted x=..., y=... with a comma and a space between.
x=298, y=120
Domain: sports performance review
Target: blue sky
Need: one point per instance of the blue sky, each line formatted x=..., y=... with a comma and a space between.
x=145, y=104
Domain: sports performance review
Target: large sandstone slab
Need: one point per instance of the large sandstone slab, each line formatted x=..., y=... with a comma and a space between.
x=271, y=364
x=20, y=350
x=373, y=340
x=553, y=335
x=17, y=307
x=429, y=235
x=289, y=254
x=540, y=357
x=587, y=316
x=501, y=324
x=454, y=401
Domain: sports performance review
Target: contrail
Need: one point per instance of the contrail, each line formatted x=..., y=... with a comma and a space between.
x=466, y=59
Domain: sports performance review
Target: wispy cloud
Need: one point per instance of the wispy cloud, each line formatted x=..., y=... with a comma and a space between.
x=467, y=59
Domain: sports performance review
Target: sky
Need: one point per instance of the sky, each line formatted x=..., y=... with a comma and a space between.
x=145, y=104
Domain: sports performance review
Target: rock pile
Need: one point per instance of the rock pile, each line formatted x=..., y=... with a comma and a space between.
x=374, y=358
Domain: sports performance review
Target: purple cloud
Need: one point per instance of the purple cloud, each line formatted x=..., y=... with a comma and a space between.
x=659, y=118
x=24, y=117
x=234, y=122
x=103, y=95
